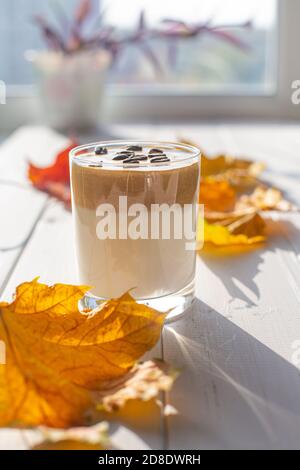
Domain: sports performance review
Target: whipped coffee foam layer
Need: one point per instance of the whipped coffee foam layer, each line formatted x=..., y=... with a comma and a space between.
x=93, y=186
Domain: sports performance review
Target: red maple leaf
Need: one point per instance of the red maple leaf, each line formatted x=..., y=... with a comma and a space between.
x=54, y=179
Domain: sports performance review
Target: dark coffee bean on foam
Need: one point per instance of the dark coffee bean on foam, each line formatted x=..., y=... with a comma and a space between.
x=100, y=151
x=156, y=152
x=134, y=148
x=131, y=161
x=160, y=160
x=120, y=157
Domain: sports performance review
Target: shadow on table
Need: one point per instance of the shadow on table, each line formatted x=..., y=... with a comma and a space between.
x=234, y=392
x=237, y=268
x=237, y=272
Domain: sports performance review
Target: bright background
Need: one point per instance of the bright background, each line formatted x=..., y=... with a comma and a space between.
x=204, y=63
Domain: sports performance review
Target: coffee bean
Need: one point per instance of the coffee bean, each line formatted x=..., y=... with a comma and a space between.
x=126, y=153
x=160, y=160
x=141, y=158
x=120, y=157
x=156, y=152
x=100, y=151
x=134, y=148
x=131, y=161
x=157, y=155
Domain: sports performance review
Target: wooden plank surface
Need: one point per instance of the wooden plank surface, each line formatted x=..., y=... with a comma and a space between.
x=239, y=387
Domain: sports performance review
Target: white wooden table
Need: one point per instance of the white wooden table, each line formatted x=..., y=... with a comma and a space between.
x=238, y=349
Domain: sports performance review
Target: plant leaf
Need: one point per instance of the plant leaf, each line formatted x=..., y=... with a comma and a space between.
x=217, y=195
x=239, y=172
x=229, y=37
x=57, y=172
x=58, y=357
x=54, y=179
x=84, y=438
x=231, y=169
x=265, y=199
x=83, y=10
x=246, y=230
x=52, y=37
x=143, y=382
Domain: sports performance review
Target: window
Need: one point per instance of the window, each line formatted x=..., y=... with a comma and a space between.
x=223, y=57
x=206, y=63
x=203, y=77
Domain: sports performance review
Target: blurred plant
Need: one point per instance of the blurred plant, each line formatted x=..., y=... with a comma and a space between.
x=71, y=39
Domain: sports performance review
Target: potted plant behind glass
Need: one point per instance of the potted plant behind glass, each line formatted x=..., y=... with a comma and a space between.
x=71, y=73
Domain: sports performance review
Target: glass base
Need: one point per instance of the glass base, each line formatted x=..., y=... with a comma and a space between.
x=177, y=304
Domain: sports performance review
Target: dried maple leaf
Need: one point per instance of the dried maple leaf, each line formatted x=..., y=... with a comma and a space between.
x=217, y=195
x=58, y=357
x=224, y=164
x=83, y=438
x=54, y=179
x=224, y=218
x=232, y=220
x=244, y=179
x=143, y=382
x=58, y=172
x=245, y=230
x=251, y=225
x=265, y=199
x=240, y=173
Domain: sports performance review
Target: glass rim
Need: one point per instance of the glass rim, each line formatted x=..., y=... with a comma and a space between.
x=82, y=153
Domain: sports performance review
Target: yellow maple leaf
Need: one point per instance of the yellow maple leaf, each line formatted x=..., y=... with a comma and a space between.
x=58, y=357
x=231, y=213
x=247, y=230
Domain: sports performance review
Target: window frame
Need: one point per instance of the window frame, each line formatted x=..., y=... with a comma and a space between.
x=128, y=103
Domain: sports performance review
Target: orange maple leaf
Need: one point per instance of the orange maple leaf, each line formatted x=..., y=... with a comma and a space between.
x=54, y=179
x=59, y=359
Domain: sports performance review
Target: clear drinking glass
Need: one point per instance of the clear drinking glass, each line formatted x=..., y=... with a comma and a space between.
x=135, y=219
